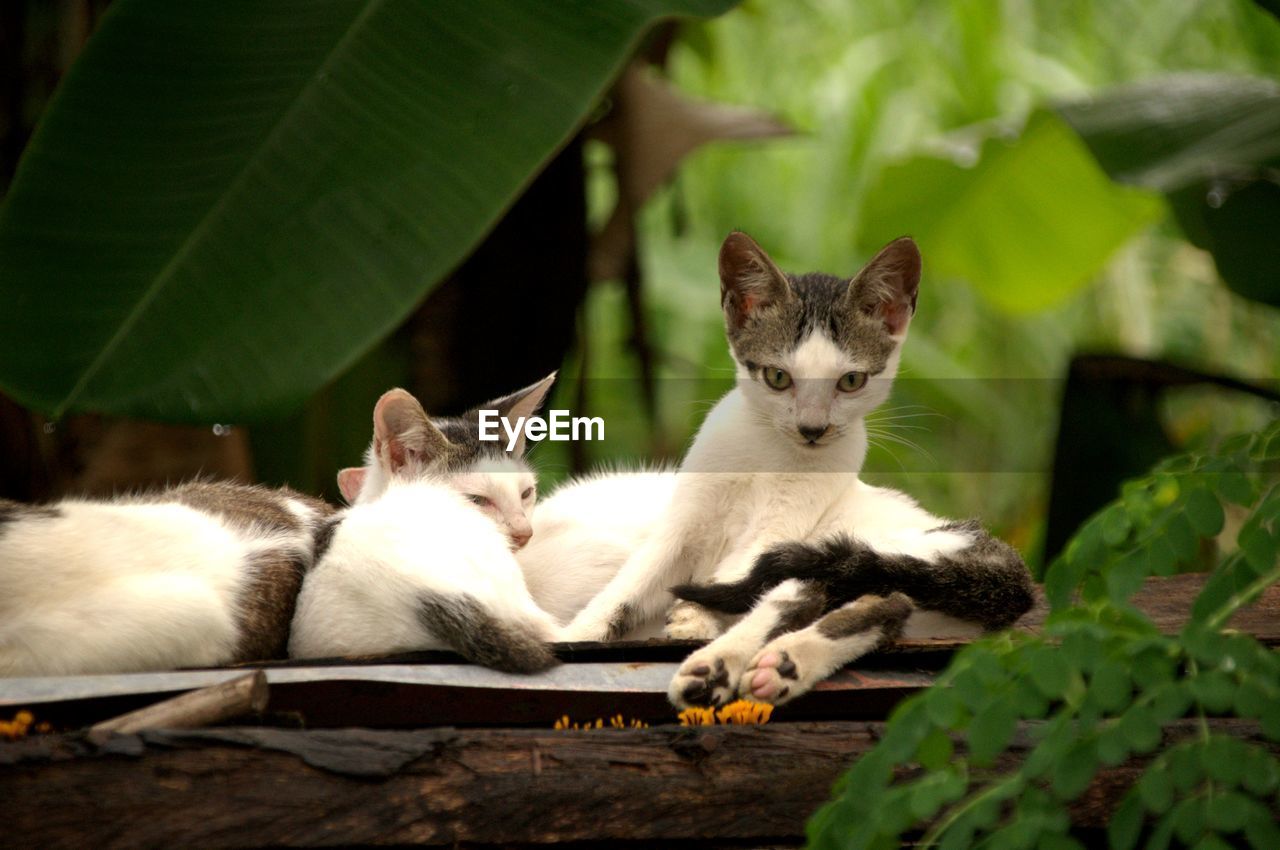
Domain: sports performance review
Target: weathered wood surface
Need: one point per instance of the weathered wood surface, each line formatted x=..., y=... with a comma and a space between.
x=256, y=787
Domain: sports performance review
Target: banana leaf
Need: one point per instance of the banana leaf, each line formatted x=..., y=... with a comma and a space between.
x=227, y=202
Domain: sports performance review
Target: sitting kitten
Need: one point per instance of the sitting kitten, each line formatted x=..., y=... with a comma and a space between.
x=423, y=557
x=768, y=499
x=200, y=574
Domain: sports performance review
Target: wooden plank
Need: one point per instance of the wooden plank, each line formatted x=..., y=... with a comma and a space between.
x=256, y=787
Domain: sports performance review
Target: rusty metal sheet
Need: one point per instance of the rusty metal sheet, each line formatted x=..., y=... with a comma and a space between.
x=445, y=694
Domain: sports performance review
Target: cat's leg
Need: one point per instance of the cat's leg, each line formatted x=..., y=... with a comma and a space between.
x=691, y=621
x=710, y=676
x=792, y=663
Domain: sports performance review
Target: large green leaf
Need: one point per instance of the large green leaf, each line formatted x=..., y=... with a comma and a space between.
x=228, y=201
x=1028, y=224
x=1212, y=143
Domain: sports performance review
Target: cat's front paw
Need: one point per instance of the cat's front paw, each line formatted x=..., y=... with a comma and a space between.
x=772, y=676
x=705, y=678
x=690, y=621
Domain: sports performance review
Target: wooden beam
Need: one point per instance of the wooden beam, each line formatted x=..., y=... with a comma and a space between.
x=255, y=787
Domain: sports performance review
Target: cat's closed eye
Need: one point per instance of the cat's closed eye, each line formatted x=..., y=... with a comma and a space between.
x=482, y=501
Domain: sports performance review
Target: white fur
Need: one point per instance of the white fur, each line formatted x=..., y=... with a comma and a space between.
x=364, y=595
x=585, y=531
x=118, y=587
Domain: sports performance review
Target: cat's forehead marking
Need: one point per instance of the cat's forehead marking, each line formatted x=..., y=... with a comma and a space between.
x=817, y=306
x=818, y=357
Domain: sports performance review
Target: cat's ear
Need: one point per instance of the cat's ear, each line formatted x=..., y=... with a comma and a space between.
x=403, y=435
x=886, y=288
x=521, y=404
x=749, y=279
x=350, y=482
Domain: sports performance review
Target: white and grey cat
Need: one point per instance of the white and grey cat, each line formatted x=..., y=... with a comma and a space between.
x=210, y=573
x=820, y=566
x=201, y=574
x=423, y=558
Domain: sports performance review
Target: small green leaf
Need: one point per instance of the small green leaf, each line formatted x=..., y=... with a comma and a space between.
x=1212, y=842
x=1115, y=525
x=1228, y=812
x=1126, y=823
x=1113, y=748
x=1214, y=690
x=1262, y=776
x=1058, y=841
x=1163, y=558
x=1205, y=512
x=1110, y=686
x=943, y=707
x=1071, y=775
x=1224, y=759
x=990, y=731
x=925, y=799
x=1156, y=790
x=1182, y=538
x=1152, y=667
x=1125, y=577
x=1050, y=673
x=1236, y=487
x=1185, y=767
x=1140, y=729
x=935, y=751
x=1251, y=699
x=1189, y=820
x=1258, y=547
x=1261, y=830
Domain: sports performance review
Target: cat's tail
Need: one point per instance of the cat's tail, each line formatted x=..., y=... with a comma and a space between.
x=513, y=645
x=984, y=581
x=812, y=562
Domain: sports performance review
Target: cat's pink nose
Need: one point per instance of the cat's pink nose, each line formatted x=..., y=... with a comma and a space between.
x=519, y=538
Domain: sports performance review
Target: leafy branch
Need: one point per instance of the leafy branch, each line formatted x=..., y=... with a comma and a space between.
x=1100, y=687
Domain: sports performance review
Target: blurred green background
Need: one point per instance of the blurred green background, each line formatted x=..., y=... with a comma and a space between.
x=882, y=91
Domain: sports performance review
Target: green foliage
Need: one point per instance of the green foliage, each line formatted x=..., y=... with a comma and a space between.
x=1101, y=686
x=1212, y=143
x=964, y=214
x=227, y=203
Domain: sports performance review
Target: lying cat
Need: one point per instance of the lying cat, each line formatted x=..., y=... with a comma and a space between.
x=423, y=557
x=209, y=573
x=201, y=574
x=768, y=501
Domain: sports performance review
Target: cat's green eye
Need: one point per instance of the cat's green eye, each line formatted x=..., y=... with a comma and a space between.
x=776, y=378
x=851, y=382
